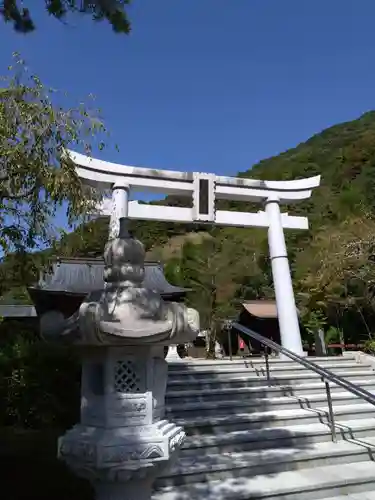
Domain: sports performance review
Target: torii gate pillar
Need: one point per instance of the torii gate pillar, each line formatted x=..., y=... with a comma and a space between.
x=282, y=280
x=204, y=189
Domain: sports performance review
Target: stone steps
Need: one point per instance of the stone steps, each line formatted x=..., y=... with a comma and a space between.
x=187, y=396
x=249, y=438
x=365, y=495
x=266, y=461
x=228, y=422
x=237, y=379
x=260, y=371
x=230, y=406
x=218, y=364
x=273, y=437
x=250, y=431
x=308, y=484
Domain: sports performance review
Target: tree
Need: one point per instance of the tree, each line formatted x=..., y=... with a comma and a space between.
x=338, y=275
x=204, y=268
x=36, y=176
x=113, y=11
x=255, y=282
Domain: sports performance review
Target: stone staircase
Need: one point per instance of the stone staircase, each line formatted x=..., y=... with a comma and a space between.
x=250, y=440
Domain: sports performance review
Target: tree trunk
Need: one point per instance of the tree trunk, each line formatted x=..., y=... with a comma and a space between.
x=211, y=342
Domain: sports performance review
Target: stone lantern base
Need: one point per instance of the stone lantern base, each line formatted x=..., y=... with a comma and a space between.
x=123, y=443
x=121, y=466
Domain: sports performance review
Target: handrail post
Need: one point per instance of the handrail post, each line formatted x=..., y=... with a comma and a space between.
x=230, y=344
x=331, y=416
x=267, y=364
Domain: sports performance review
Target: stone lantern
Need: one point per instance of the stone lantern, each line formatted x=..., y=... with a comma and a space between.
x=123, y=442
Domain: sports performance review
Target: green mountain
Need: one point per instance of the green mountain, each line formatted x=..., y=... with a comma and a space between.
x=332, y=263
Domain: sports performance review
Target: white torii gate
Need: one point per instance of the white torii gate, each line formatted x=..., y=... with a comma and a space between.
x=205, y=189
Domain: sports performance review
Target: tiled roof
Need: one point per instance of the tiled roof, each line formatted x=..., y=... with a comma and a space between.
x=265, y=309
x=81, y=276
x=261, y=308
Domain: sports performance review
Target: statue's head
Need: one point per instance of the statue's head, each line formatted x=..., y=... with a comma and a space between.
x=124, y=259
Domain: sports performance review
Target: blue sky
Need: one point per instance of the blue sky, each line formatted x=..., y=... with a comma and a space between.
x=211, y=85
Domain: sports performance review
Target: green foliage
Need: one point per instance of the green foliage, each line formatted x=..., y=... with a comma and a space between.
x=333, y=335
x=314, y=321
x=369, y=347
x=39, y=381
x=30, y=464
x=17, y=12
x=204, y=267
x=256, y=283
x=36, y=176
x=336, y=274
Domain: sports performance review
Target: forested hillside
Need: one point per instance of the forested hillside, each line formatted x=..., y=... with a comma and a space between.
x=333, y=263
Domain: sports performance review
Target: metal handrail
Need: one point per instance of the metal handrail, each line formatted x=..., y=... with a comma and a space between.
x=326, y=375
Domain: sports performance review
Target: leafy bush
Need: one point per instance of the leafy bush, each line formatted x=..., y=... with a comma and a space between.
x=30, y=468
x=40, y=393
x=369, y=346
x=39, y=383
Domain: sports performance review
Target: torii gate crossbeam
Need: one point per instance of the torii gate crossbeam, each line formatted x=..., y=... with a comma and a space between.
x=204, y=189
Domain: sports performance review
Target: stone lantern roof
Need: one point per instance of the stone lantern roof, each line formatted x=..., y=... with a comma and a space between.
x=71, y=279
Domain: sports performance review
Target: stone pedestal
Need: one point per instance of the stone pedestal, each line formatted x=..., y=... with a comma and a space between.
x=122, y=442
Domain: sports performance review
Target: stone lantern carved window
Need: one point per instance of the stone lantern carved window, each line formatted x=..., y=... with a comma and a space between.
x=126, y=377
